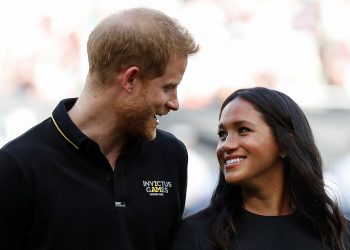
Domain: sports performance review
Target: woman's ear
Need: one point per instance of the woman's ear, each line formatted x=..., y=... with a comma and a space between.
x=129, y=76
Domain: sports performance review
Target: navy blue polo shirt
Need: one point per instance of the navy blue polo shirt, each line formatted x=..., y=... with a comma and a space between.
x=58, y=191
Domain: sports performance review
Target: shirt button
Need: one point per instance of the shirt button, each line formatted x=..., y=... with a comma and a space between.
x=108, y=177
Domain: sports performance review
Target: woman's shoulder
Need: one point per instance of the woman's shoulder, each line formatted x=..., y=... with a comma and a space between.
x=198, y=223
x=203, y=216
x=193, y=232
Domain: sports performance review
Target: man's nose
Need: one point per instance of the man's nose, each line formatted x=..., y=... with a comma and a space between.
x=173, y=103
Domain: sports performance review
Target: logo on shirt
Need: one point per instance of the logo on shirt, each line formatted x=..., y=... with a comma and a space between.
x=120, y=204
x=157, y=188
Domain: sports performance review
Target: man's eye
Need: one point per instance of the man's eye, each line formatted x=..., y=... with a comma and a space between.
x=168, y=88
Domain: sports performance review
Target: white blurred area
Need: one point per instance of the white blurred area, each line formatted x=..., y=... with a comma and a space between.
x=301, y=47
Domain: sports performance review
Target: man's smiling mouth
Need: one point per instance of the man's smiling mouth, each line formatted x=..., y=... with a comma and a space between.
x=156, y=118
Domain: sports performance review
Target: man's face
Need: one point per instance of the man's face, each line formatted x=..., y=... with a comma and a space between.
x=154, y=98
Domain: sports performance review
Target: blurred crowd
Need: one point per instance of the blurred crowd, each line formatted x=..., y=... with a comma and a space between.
x=301, y=47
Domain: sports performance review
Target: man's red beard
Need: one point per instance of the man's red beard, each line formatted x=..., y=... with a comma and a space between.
x=137, y=120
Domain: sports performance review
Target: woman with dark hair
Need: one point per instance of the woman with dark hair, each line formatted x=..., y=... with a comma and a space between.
x=270, y=194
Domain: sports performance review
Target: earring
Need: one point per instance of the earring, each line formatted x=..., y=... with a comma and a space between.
x=283, y=154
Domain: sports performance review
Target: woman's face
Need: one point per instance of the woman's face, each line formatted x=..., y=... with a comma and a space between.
x=247, y=151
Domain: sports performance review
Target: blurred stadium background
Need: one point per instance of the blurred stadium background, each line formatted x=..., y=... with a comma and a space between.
x=300, y=47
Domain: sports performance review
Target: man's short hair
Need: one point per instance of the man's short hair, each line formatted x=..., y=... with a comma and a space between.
x=141, y=37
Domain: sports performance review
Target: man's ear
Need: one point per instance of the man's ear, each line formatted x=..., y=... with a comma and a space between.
x=129, y=76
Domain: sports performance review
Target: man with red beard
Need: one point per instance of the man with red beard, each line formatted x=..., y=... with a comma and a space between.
x=98, y=174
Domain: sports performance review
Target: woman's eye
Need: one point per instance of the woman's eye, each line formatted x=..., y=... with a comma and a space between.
x=222, y=135
x=244, y=130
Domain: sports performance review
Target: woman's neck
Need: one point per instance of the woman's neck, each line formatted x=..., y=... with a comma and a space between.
x=272, y=202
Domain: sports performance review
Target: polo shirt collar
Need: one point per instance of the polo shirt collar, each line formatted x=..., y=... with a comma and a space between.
x=65, y=125
x=71, y=132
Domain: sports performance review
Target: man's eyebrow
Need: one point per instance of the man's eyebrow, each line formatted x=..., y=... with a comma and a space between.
x=172, y=84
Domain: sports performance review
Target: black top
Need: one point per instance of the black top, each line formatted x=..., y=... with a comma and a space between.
x=58, y=191
x=255, y=232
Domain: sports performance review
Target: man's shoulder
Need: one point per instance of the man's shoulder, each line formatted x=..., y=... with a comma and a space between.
x=165, y=135
x=167, y=139
x=28, y=140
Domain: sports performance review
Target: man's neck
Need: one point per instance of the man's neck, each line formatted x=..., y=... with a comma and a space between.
x=98, y=121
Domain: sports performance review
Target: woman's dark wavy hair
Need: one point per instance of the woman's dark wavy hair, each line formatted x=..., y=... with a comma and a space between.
x=303, y=165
